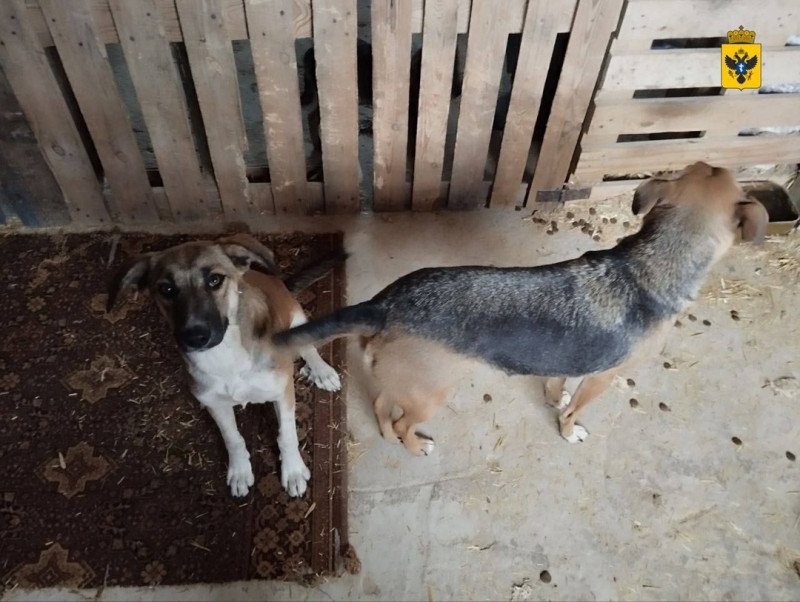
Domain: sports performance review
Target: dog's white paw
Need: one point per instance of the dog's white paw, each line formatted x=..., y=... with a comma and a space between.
x=564, y=401
x=295, y=476
x=426, y=446
x=578, y=434
x=240, y=476
x=322, y=376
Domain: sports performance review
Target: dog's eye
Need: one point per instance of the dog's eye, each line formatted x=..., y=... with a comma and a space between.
x=215, y=281
x=167, y=290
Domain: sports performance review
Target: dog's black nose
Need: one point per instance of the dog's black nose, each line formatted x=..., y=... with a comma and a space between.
x=195, y=337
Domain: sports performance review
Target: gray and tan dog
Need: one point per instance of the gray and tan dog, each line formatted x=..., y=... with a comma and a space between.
x=222, y=315
x=588, y=317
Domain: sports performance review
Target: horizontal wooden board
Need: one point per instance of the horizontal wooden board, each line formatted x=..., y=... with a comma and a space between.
x=713, y=114
x=661, y=69
x=236, y=23
x=772, y=20
x=660, y=155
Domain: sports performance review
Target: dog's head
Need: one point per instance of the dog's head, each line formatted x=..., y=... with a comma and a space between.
x=708, y=188
x=195, y=285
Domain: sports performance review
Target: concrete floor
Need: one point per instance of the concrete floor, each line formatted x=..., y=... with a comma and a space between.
x=659, y=503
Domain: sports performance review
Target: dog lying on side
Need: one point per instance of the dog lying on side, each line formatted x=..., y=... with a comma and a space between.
x=590, y=316
x=222, y=315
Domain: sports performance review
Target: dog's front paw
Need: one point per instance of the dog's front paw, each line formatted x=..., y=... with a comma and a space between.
x=295, y=476
x=578, y=434
x=240, y=477
x=322, y=376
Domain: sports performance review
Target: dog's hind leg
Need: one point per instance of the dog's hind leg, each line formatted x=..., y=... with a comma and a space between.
x=555, y=393
x=316, y=370
x=383, y=414
x=240, y=473
x=418, y=409
x=591, y=386
x=294, y=472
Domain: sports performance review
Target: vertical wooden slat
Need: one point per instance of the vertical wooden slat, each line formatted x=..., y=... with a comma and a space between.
x=160, y=94
x=335, y=30
x=595, y=21
x=92, y=80
x=440, y=32
x=275, y=63
x=486, y=46
x=391, y=68
x=35, y=86
x=27, y=186
x=543, y=21
x=214, y=74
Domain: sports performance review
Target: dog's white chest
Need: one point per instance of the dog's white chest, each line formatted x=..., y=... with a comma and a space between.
x=228, y=370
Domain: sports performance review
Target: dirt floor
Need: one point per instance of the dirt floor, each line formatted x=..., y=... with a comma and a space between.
x=686, y=488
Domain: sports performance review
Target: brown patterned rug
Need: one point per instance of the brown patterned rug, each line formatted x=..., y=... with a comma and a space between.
x=112, y=474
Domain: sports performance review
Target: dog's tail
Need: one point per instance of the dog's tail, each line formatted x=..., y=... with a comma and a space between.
x=365, y=319
x=309, y=274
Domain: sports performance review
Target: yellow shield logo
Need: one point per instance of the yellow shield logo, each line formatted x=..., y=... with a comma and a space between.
x=741, y=60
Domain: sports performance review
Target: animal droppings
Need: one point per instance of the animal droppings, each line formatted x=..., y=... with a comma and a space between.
x=634, y=403
x=678, y=324
x=592, y=211
x=613, y=220
x=667, y=365
x=791, y=456
x=664, y=407
x=735, y=315
x=736, y=440
x=570, y=215
x=631, y=382
x=487, y=398
x=706, y=322
x=626, y=224
x=692, y=318
x=545, y=577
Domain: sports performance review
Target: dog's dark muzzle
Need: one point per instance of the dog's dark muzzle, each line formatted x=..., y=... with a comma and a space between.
x=197, y=327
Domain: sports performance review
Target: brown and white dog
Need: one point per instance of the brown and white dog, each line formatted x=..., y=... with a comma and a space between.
x=222, y=315
x=587, y=317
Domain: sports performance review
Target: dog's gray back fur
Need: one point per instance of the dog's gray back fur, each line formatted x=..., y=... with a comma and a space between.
x=565, y=319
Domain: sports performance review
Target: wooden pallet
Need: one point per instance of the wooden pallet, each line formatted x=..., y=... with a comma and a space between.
x=707, y=127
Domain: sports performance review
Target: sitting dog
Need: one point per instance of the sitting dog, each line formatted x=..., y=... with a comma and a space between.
x=222, y=314
x=587, y=317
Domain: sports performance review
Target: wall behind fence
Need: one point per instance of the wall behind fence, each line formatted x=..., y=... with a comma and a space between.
x=188, y=109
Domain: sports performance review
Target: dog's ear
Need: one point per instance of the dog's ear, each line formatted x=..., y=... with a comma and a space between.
x=245, y=250
x=134, y=272
x=753, y=217
x=648, y=194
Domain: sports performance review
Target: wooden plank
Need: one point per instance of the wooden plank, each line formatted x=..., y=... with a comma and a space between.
x=661, y=69
x=161, y=97
x=235, y=21
x=536, y=50
x=712, y=114
x=335, y=31
x=436, y=80
x=215, y=82
x=660, y=155
x=29, y=73
x=92, y=81
x=391, y=68
x=595, y=22
x=486, y=46
x=772, y=20
x=275, y=64
x=27, y=186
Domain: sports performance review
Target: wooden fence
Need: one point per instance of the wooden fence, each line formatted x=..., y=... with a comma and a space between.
x=58, y=57
x=173, y=110
x=660, y=107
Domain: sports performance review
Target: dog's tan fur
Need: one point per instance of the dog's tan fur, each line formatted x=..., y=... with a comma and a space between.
x=415, y=373
x=241, y=365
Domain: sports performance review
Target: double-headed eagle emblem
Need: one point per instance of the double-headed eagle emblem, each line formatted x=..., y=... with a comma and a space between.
x=741, y=65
